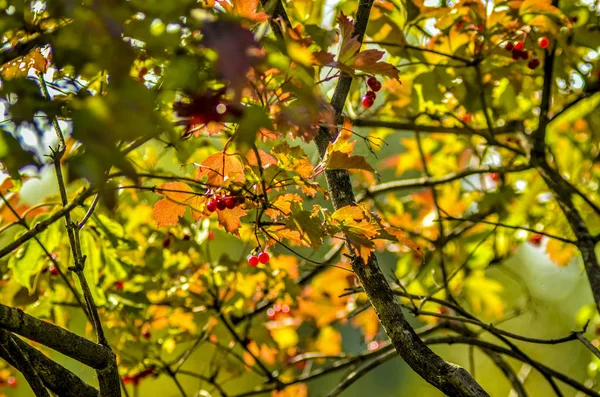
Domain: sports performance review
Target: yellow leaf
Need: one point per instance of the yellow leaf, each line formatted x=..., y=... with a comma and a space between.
x=329, y=341
x=561, y=253
x=285, y=336
x=484, y=295
x=369, y=323
x=297, y=390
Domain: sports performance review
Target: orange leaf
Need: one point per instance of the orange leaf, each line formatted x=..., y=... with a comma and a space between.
x=297, y=390
x=220, y=168
x=367, y=62
x=265, y=158
x=230, y=219
x=247, y=9
x=349, y=42
x=179, y=195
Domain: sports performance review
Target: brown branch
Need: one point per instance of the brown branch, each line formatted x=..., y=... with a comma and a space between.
x=54, y=337
x=57, y=378
x=13, y=351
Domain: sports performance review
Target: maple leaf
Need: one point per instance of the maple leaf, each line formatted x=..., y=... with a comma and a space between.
x=349, y=45
x=359, y=230
x=179, y=196
x=282, y=205
x=367, y=61
x=220, y=168
x=229, y=219
x=395, y=234
x=244, y=9
x=338, y=154
x=265, y=158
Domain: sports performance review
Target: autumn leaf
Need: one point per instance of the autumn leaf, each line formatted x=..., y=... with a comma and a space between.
x=229, y=219
x=329, y=341
x=395, y=234
x=368, y=322
x=297, y=390
x=368, y=62
x=179, y=196
x=358, y=229
x=339, y=152
x=220, y=169
x=19, y=67
x=349, y=45
x=282, y=205
x=265, y=158
x=560, y=252
x=245, y=9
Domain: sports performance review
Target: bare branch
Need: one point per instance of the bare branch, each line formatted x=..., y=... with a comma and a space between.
x=54, y=337
x=57, y=378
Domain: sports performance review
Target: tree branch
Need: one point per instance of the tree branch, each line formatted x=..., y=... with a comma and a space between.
x=511, y=127
x=57, y=378
x=433, y=181
x=23, y=364
x=449, y=378
x=54, y=337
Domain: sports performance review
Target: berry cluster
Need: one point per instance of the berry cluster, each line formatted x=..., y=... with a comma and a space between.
x=520, y=52
x=369, y=98
x=254, y=260
x=222, y=202
x=278, y=310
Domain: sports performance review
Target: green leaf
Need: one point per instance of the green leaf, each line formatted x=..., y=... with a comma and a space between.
x=13, y=156
x=91, y=250
x=254, y=119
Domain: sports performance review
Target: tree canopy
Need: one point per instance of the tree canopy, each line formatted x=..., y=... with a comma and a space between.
x=220, y=197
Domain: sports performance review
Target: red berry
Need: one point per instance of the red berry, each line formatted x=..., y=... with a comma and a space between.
x=519, y=45
x=221, y=204
x=143, y=72
x=11, y=381
x=367, y=101
x=374, y=83
x=241, y=199
x=524, y=55
x=466, y=118
x=211, y=236
x=119, y=285
x=211, y=206
x=263, y=258
x=543, y=42
x=494, y=176
x=533, y=64
x=371, y=94
x=146, y=334
x=230, y=202
x=53, y=270
x=253, y=260
x=509, y=46
x=516, y=54
x=536, y=239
